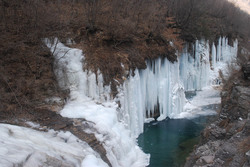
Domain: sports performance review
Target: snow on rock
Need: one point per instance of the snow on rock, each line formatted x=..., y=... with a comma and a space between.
x=90, y=100
x=20, y=146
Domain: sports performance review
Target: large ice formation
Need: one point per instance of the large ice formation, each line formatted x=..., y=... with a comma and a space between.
x=157, y=91
x=197, y=66
x=89, y=99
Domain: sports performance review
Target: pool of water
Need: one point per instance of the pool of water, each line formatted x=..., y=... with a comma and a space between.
x=170, y=141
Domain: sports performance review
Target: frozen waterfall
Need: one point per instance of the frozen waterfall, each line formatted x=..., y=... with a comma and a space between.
x=90, y=99
x=159, y=89
x=155, y=92
x=197, y=67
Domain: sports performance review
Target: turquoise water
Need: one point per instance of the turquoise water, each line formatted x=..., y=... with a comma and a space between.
x=170, y=141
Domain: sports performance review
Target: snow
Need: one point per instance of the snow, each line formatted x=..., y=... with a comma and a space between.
x=195, y=107
x=27, y=147
x=92, y=161
x=90, y=99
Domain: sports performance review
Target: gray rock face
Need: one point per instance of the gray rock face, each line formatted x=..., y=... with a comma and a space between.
x=246, y=71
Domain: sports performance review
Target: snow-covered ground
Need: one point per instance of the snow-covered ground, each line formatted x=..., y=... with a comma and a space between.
x=20, y=146
x=195, y=107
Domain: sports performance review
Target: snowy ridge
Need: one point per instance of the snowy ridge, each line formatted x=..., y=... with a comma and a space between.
x=121, y=148
x=26, y=147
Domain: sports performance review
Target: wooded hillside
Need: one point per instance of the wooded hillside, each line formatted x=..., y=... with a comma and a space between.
x=109, y=32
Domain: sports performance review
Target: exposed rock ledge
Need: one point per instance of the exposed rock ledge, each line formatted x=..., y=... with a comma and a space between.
x=226, y=142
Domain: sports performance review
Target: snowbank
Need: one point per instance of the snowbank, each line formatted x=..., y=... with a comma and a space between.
x=28, y=147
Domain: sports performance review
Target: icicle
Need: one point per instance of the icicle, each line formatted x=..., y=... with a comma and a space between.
x=219, y=50
x=213, y=56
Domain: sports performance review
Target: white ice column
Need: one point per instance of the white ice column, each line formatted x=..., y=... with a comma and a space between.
x=70, y=74
x=213, y=56
x=194, y=69
x=218, y=58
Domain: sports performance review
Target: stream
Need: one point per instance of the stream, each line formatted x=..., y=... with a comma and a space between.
x=170, y=141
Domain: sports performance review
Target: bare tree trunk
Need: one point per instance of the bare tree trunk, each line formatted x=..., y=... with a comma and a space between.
x=4, y=14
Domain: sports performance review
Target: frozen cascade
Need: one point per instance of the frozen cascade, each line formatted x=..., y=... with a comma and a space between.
x=90, y=100
x=160, y=88
x=155, y=89
x=70, y=74
x=195, y=68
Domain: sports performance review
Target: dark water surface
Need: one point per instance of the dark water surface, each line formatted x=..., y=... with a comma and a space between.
x=170, y=141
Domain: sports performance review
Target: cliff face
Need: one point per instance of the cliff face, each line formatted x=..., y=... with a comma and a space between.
x=226, y=141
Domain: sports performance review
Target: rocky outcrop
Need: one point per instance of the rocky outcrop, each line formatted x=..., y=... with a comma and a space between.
x=225, y=143
x=246, y=71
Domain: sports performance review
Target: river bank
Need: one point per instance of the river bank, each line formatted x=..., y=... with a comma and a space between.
x=225, y=142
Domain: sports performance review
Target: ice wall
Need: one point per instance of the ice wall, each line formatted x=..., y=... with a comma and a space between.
x=197, y=67
x=159, y=89
x=70, y=73
x=155, y=89
x=224, y=52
